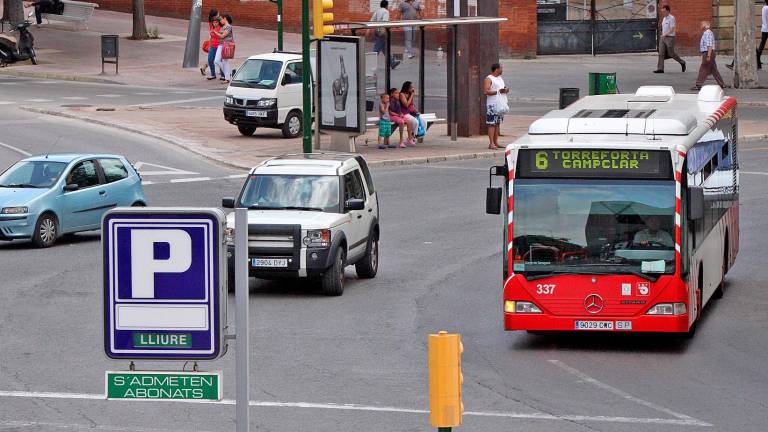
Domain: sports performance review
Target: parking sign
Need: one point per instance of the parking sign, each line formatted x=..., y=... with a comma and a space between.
x=164, y=294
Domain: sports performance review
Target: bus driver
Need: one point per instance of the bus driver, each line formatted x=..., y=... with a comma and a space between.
x=653, y=234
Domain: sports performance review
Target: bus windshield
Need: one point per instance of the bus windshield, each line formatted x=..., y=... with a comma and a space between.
x=594, y=227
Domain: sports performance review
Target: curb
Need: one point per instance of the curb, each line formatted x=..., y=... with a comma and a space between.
x=180, y=144
x=171, y=141
x=57, y=76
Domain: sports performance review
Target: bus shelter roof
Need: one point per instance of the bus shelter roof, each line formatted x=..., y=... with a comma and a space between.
x=432, y=22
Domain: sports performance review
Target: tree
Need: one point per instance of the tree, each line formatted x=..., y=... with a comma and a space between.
x=13, y=11
x=139, y=21
x=745, y=67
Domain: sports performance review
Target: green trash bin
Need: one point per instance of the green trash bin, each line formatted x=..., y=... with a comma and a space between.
x=601, y=83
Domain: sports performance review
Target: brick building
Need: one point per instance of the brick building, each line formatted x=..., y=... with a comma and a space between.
x=519, y=37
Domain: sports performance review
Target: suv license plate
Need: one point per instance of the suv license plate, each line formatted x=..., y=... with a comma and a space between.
x=594, y=325
x=269, y=262
x=255, y=113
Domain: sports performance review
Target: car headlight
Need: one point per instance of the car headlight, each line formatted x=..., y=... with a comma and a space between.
x=14, y=210
x=229, y=100
x=520, y=307
x=266, y=103
x=318, y=238
x=229, y=235
x=668, y=309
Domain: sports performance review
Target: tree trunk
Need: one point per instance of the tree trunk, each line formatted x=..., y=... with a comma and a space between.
x=745, y=67
x=13, y=11
x=139, y=21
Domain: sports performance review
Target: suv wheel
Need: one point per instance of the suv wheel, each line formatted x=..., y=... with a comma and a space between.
x=292, y=125
x=46, y=231
x=333, y=279
x=246, y=130
x=368, y=266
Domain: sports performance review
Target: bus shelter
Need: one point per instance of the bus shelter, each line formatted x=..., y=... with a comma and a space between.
x=451, y=66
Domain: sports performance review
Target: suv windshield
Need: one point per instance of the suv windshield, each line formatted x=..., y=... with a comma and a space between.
x=32, y=174
x=594, y=227
x=292, y=192
x=258, y=73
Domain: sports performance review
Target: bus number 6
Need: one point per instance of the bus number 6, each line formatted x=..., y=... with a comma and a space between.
x=545, y=289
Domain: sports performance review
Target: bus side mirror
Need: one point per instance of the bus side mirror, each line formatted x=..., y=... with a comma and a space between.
x=493, y=200
x=695, y=203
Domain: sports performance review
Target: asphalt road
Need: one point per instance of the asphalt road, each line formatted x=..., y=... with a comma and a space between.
x=311, y=356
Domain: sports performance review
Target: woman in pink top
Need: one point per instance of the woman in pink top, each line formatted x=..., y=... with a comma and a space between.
x=213, y=26
x=408, y=110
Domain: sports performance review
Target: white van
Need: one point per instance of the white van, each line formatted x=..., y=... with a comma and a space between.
x=266, y=91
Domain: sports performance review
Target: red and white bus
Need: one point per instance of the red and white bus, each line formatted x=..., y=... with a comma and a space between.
x=622, y=212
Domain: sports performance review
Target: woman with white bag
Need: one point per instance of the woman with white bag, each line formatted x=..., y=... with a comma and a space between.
x=496, y=104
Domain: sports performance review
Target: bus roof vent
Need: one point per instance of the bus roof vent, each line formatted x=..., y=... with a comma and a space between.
x=710, y=93
x=659, y=91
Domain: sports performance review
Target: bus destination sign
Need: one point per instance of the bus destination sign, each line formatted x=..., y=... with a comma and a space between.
x=593, y=163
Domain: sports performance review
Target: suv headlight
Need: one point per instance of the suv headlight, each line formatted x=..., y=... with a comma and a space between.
x=14, y=210
x=667, y=309
x=318, y=238
x=229, y=100
x=266, y=103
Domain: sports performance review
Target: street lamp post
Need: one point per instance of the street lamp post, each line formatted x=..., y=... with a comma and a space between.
x=306, y=81
x=279, y=4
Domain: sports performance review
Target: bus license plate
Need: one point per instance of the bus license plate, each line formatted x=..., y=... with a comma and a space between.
x=594, y=325
x=255, y=113
x=269, y=262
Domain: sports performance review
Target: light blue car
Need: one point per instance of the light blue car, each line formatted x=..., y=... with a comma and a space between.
x=45, y=197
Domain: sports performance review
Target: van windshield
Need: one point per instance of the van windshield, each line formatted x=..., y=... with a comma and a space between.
x=258, y=73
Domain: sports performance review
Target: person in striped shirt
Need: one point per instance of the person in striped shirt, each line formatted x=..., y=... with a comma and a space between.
x=708, y=66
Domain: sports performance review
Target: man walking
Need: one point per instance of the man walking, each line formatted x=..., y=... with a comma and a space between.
x=409, y=10
x=380, y=35
x=667, y=41
x=708, y=66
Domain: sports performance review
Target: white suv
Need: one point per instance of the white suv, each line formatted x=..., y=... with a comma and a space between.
x=310, y=215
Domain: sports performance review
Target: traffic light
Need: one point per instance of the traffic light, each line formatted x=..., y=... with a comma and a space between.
x=445, y=379
x=321, y=19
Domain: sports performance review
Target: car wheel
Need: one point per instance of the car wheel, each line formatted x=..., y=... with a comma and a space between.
x=46, y=231
x=292, y=126
x=333, y=279
x=368, y=266
x=246, y=130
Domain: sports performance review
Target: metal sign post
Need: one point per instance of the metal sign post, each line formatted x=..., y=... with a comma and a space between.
x=192, y=49
x=241, y=320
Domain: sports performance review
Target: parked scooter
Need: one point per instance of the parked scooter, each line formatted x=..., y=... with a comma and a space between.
x=12, y=51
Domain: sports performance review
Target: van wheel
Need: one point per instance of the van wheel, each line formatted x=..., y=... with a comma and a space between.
x=246, y=130
x=333, y=279
x=368, y=266
x=292, y=126
x=46, y=231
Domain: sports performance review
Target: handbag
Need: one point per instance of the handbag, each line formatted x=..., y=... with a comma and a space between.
x=422, y=129
x=228, y=50
x=502, y=104
x=206, y=45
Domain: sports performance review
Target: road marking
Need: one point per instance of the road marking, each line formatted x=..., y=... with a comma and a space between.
x=16, y=149
x=44, y=82
x=17, y=424
x=753, y=172
x=9, y=83
x=38, y=100
x=164, y=170
x=586, y=378
x=145, y=94
x=180, y=92
x=179, y=101
x=74, y=98
x=189, y=180
x=109, y=95
x=7, y=103
x=372, y=408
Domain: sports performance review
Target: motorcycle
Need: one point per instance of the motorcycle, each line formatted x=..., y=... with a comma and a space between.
x=12, y=51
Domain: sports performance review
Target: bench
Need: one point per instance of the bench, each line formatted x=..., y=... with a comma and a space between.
x=429, y=118
x=74, y=11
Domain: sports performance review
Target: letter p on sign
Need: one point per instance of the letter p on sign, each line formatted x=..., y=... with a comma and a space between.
x=146, y=262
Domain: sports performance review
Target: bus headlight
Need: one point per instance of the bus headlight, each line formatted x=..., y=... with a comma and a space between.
x=520, y=307
x=668, y=309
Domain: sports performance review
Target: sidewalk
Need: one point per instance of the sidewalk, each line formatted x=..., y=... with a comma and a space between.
x=205, y=132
